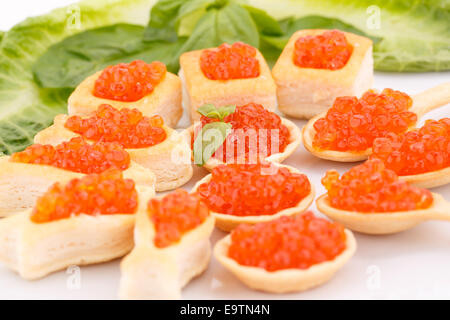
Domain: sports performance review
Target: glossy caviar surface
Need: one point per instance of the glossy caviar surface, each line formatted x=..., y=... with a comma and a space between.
x=237, y=61
x=95, y=194
x=126, y=126
x=418, y=151
x=174, y=215
x=265, y=133
x=253, y=189
x=370, y=187
x=352, y=124
x=129, y=82
x=329, y=50
x=295, y=242
x=76, y=155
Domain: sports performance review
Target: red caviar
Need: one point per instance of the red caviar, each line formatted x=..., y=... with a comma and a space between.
x=329, y=50
x=352, y=124
x=95, y=194
x=418, y=151
x=252, y=125
x=253, y=189
x=174, y=215
x=370, y=187
x=295, y=242
x=76, y=155
x=237, y=61
x=129, y=82
x=126, y=126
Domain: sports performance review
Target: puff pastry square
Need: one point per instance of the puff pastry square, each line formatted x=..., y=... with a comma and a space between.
x=199, y=90
x=165, y=100
x=305, y=92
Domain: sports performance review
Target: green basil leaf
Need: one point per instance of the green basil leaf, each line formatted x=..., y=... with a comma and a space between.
x=209, y=139
x=67, y=63
x=266, y=24
x=163, y=16
x=211, y=111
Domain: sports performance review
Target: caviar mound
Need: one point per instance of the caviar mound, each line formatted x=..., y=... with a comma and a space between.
x=126, y=126
x=129, y=82
x=329, y=50
x=352, y=124
x=237, y=61
x=174, y=215
x=253, y=189
x=295, y=242
x=76, y=155
x=418, y=151
x=256, y=132
x=97, y=194
x=370, y=187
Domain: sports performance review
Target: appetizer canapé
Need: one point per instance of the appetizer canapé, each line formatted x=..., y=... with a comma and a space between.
x=255, y=133
x=26, y=175
x=147, y=87
x=88, y=220
x=287, y=254
x=172, y=246
x=316, y=66
x=230, y=74
x=251, y=193
x=146, y=139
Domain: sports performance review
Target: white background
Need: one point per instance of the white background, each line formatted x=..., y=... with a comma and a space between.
x=412, y=264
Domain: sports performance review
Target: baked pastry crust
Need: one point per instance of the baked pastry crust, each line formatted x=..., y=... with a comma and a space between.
x=165, y=100
x=429, y=179
x=288, y=280
x=22, y=183
x=149, y=272
x=199, y=90
x=305, y=92
x=294, y=141
x=169, y=160
x=35, y=250
x=227, y=222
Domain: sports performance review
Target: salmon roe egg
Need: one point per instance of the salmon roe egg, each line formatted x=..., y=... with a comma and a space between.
x=329, y=50
x=95, y=194
x=253, y=189
x=76, y=155
x=352, y=124
x=418, y=151
x=126, y=126
x=174, y=215
x=237, y=61
x=294, y=242
x=252, y=125
x=370, y=187
x=129, y=82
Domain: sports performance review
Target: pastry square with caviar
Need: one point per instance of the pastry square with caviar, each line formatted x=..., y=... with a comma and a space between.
x=236, y=74
x=26, y=175
x=308, y=80
x=172, y=246
x=65, y=229
x=150, y=88
x=148, y=141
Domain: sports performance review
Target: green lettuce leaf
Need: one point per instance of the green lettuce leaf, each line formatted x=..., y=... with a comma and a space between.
x=415, y=35
x=67, y=63
x=25, y=108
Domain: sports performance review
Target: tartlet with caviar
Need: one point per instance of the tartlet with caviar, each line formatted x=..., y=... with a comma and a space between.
x=230, y=74
x=148, y=141
x=288, y=254
x=172, y=246
x=26, y=175
x=85, y=221
x=317, y=66
x=255, y=134
x=148, y=87
x=252, y=193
